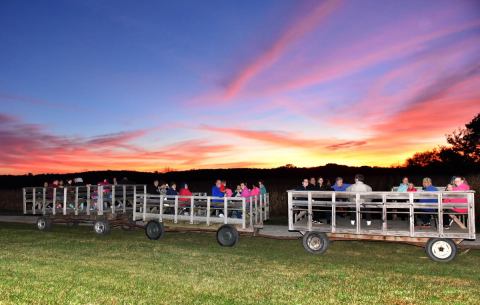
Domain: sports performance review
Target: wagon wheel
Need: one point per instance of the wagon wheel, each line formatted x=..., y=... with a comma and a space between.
x=441, y=249
x=44, y=223
x=101, y=227
x=154, y=230
x=315, y=242
x=227, y=236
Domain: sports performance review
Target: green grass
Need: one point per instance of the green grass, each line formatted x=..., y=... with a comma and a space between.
x=74, y=266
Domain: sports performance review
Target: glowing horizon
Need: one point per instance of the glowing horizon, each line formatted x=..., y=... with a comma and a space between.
x=90, y=86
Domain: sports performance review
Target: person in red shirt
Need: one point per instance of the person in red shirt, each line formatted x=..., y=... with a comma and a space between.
x=184, y=191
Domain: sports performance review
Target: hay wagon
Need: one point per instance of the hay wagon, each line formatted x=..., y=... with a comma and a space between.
x=128, y=206
x=103, y=206
x=384, y=216
x=227, y=216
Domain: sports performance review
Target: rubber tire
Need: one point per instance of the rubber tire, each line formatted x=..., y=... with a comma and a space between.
x=431, y=245
x=317, y=237
x=101, y=227
x=154, y=230
x=46, y=223
x=227, y=236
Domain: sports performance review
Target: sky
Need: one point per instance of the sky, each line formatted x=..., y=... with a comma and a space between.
x=175, y=85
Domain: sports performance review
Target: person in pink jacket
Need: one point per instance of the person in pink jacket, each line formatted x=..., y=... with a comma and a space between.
x=255, y=191
x=460, y=185
x=245, y=190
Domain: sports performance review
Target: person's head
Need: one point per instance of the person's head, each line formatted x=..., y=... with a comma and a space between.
x=218, y=183
x=459, y=181
x=173, y=185
x=305, y=182
x=239, y=188
x=156, y=183
x=359, y=178
x=184, y=185
x=55, y=183
x=449, y=187
x=426, y=182
x=320, y=181
x=313, y=181
x=411, y=186
x=260, y=183
x=339, y=181
x=60, y=182
x=243, y=185
x=405, y=180
x=45, y=184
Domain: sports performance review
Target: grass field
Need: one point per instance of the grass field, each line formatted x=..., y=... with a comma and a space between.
x=74, y=266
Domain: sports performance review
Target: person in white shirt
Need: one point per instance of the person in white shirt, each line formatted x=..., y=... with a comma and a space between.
x=357, y=187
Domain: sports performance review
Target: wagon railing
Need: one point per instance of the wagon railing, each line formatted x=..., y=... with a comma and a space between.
x=80, y=200
x=247, y=213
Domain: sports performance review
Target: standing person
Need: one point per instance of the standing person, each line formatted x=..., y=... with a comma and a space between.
x=172, y=190
x=154, y=188
x=359, y=187
x=163, y=188
x=403, y=186
x=255, y=191
x=339, y=186
x=263, y=189
x=427, y=187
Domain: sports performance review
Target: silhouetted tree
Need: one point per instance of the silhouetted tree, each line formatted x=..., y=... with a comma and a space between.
x=462, y=154
x=466, y=141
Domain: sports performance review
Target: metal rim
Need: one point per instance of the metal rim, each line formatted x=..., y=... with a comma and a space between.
x=153, y=230
x=314, y=242
x=441, y=249
x=41, y=224
x=226, y=235
x=99, y=227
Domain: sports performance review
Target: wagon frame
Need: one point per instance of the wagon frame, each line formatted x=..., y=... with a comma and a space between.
x=440, y=243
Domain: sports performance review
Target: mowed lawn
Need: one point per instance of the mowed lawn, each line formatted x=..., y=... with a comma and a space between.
x=74, y=266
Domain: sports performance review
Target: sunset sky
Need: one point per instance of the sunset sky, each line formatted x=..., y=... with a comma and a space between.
x=149, y=85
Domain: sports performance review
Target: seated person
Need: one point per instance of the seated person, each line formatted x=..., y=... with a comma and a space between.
x=403, y=186
x=184, y=191
x=339, y=186
x=459, y=184
x=427, y=187
x=359, y=187
x=304, y=186
x=411, y=188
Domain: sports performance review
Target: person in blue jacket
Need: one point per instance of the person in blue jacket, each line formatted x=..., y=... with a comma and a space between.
x=427, y=187
x=339, y=186
x=217, y=192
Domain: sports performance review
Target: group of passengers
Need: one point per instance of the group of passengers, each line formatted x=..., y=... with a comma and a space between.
x=457, y=183
x=70, y=184
x=219, y=190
